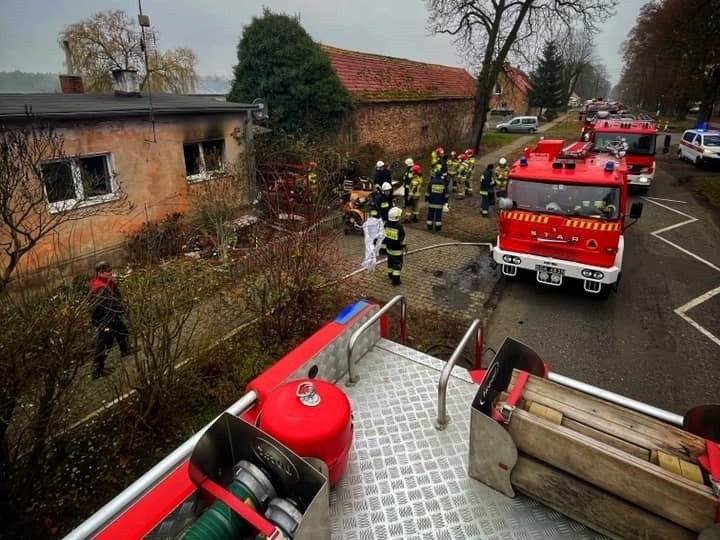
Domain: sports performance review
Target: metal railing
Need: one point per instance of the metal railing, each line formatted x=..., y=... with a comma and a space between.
x=132, y=493
x=352, y=378
x=475, y=328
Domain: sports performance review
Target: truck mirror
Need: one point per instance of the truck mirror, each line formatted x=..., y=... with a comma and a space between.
x=636, y=210
x=666, y=144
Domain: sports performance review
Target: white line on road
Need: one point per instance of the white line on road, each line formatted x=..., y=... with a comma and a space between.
x=666, y=200
x=682, y=310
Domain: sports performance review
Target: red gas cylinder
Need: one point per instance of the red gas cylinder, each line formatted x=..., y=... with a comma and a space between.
x=313, y=419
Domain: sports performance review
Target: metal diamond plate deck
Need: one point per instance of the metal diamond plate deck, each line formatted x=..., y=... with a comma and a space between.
x=406, y=480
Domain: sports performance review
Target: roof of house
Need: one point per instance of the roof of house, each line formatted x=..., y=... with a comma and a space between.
x=518, y=77
x=371, y=77
x=19, y=106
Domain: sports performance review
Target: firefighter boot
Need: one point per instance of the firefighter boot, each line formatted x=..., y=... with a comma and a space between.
x=395, y=280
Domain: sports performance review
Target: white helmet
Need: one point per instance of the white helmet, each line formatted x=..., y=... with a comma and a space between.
x=387, y=186
x=409, y=162
x=503, y=161
x=394, y=213
x=379, y=164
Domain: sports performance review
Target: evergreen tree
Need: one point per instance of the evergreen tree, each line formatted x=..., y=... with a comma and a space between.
x=546, y=80
x=279, y=61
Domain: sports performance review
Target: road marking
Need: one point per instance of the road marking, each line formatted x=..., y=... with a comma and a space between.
x=666, y=200
x=682, y=310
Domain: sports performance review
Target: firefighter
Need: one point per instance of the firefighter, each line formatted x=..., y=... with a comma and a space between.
x=463, y=176
x=438, y=162
x=382, y=202
x=453, y=164
x=470, y=153
x=486, y=187
x=436, y=195
x=414, y=193
x=395, y=244
x=312, y=178
x=501, y=178
x=381, y=176
x=601, y=205
x=407, y=179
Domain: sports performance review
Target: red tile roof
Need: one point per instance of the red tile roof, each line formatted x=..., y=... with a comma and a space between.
x=371, y=77
x=518, y=77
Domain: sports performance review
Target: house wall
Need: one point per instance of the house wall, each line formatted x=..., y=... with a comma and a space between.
x=510, y=95
x=410, y=128
x=150, y=169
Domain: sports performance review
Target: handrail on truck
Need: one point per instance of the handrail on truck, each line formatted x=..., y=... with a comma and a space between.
x=352, y=378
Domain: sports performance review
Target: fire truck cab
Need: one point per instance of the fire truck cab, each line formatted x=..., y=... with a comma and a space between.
x=563, y=218
x=638, y=139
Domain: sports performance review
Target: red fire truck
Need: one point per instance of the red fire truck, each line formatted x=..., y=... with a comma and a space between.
x=592, y=107
x=336, y=441
x=564, y=216
x=638, y=140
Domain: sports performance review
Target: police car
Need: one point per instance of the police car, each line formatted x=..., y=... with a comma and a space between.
x=700, y=146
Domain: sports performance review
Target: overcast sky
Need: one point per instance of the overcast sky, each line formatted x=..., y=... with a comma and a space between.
x=211, y=28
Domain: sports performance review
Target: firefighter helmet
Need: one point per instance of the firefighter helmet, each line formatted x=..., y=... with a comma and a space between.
x=379, y=164
x=394, y=213
x=453, y=154
x=387, y=186
x=409, y=162
x=502, y=162
x=469, y=152
x=312, y=165
x=416, y=169
x=462, y=157
x=439, y=151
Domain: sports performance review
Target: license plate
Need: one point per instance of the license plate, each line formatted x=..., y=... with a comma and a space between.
x=550, y=275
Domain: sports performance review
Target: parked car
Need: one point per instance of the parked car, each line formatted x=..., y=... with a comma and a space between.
x=519, y=124
x=700, y=146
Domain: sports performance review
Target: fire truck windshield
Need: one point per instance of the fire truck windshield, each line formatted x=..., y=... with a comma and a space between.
x=638, y=144
x=565, y=199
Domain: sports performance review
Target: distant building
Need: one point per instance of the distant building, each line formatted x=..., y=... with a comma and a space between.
x=402, y=105
x=153, y=151
x=510, y=92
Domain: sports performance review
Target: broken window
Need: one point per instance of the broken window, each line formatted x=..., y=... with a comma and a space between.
x=204, y=158
x=78, y=181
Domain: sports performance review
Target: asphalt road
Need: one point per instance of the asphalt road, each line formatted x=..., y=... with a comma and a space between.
x=658, y=339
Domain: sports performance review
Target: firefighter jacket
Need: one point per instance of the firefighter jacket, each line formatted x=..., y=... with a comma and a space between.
x=394, y=238
x=313, y=182
x=463, y=171
x=438, y=166
x=381, y=205
x=471, y=164
x=415, y=189
x=453, y=165
x=436, y=193
x=381, y=176
x=407, y=178
x=486, y=183
x=501, y=177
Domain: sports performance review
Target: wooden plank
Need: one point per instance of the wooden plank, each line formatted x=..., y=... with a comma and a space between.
x=620, y=444
x=593, y=507
x=635, y=428
x=639, y=482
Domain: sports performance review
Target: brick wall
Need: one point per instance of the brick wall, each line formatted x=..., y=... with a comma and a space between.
x=410, y=128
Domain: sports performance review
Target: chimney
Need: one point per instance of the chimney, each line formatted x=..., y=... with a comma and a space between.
x=126, y=82
x=70, y=83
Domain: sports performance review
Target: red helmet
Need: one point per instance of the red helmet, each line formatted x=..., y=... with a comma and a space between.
x=462, y=157
x=416, y=169
x=312, y=165
x=453, y=154
x=469, y=152
x=439, y=151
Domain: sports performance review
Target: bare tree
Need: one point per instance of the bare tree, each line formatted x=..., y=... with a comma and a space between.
x=576, y=51
x=109, y=40
x=33, y=172
x=489, y=30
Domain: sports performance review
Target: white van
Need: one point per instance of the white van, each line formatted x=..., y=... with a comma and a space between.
x=519, y=124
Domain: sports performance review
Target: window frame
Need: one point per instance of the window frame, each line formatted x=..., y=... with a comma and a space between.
x=204, y=173
x=80, y=201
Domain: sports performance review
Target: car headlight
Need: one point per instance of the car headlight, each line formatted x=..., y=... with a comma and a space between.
x=643, y=180
x=511, y=259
